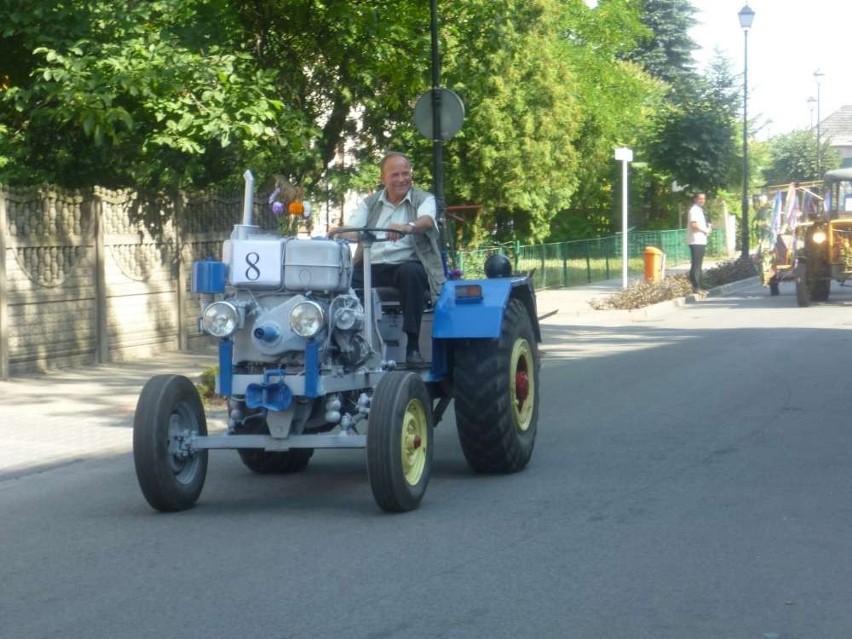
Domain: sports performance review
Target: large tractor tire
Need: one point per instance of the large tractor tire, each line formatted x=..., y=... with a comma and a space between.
x=168, y=413
x=803, y=294
x=819, y=289
x=272, y=463
x=496, y=384
x=399, y=441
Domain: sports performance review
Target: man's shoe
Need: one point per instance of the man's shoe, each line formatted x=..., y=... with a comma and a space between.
x=414, y=359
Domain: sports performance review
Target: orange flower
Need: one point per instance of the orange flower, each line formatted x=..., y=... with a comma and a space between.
x=296, y=208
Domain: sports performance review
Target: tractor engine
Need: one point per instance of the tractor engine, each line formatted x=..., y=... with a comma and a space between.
x=277, y=295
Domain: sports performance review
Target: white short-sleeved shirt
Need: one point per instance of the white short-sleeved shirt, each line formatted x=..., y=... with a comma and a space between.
x=403, y=249
x=696, y=214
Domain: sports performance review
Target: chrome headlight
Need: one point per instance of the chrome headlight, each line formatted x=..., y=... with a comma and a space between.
x=819, y=237
x=307, y=319
x=220, y=319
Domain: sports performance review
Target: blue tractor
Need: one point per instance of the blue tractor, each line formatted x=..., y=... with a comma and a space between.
x=305, y=363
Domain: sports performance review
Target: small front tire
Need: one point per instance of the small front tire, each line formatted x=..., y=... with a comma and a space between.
x=168, y=414
x=399, y=441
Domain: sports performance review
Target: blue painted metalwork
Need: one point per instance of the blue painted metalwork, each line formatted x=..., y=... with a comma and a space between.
x=268, y=333
x=209, y=277
x=226, y=367
x=466, y=317
x=312, y=369
x=271, y=395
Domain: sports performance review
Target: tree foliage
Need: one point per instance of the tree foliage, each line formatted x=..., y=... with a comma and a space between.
x=793, y=158
x=144, y=96
x=694, y=143
x=188, y=93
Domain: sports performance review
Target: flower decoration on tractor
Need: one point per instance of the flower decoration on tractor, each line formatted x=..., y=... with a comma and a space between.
x=288, y=204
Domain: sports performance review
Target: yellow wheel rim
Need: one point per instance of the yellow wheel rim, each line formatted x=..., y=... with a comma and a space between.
x=522, y=384
x=415, y=442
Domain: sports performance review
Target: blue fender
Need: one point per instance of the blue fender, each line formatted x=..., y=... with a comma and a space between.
x=475, y=308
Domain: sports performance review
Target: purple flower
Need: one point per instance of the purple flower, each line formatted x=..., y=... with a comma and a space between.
x=277, y=208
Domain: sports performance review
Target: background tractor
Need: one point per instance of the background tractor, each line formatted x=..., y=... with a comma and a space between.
x=826, y=252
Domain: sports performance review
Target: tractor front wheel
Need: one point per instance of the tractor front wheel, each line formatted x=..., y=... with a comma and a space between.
x=168, y=414
x=399, y=441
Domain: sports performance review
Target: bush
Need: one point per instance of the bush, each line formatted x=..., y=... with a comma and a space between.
x=207, y=384
x=729, y=271
x=642, y=293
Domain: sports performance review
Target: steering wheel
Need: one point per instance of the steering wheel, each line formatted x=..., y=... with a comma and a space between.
x=367, y=234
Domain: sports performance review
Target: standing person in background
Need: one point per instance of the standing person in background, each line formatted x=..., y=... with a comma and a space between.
x=697, y=231
x=410, y=260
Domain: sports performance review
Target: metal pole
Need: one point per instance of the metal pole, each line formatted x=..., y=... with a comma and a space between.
x=437, y=141
x=624, y=252
x=819, y=139
x=745, y=240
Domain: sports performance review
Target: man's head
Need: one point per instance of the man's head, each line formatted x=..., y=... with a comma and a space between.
x=699, y=199
x=396, y=176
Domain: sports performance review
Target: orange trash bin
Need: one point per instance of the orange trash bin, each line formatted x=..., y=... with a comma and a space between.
x=653, y=264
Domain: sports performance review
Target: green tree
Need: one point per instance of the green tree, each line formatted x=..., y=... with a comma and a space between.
x=144, y=96
x=618, y=98
x=548, y=101
x=793, y=158
x=694, y=144
x=187, y=93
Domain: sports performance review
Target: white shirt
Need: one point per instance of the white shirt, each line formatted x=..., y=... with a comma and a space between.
x=696, y=214
x=403, y=249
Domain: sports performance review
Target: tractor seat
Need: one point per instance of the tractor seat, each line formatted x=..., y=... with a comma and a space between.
x=388, y=297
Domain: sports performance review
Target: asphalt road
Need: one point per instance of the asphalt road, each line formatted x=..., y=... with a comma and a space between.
x=691, y=479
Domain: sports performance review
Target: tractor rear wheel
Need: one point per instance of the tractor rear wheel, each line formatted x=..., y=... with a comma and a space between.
x=272, y=463
x=819, y=290
x=803, y=294
x=496, y=393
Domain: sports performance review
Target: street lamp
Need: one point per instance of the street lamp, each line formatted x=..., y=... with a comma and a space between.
x=746, y=16
x=818, y=77
x=811, y=104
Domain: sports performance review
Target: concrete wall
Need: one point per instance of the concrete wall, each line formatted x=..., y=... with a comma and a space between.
x=97, y=276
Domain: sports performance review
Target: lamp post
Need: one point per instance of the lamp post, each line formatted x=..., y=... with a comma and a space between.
x=818, y=77
x=746, y=16
x=811, y=104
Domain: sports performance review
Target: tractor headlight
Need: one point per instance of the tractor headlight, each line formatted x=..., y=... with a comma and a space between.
x=307, y=319
x=220, y=319
x=819, y=237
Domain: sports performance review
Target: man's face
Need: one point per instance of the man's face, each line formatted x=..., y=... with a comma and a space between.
x=699, y=199
x=396, y=177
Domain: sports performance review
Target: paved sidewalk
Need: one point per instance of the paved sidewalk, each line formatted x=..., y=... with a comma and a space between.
x=66, y=416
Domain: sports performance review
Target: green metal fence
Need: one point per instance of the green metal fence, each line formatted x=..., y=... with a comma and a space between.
x=563, y=264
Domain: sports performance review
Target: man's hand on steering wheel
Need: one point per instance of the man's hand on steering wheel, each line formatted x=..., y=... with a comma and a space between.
x=397, y=230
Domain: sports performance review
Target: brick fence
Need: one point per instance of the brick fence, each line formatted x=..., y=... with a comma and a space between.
x=96, y=276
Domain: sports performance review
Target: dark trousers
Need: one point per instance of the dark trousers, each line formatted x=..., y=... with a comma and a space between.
x=696, y=253
x=409, y=278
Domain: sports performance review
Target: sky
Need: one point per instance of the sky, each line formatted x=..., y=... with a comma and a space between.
x=789, y=40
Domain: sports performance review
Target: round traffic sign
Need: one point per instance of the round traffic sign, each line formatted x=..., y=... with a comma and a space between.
x=451, y=111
